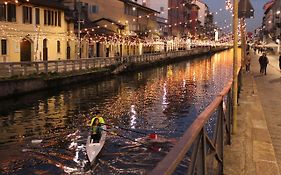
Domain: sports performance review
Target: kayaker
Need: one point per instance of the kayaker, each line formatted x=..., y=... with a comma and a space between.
x=98, y=115
x=96, y=131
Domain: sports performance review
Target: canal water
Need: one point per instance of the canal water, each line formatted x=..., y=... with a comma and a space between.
x=46, y=132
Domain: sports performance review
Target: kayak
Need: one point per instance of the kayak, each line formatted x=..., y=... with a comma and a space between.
x=93, y=149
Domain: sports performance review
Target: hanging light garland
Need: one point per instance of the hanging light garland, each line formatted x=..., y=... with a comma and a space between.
x=128, y=39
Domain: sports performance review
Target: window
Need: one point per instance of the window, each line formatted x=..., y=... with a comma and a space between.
x=4, y=46
x=3, y=12
x=45, y=17
x=27, y=15
x=130, y=10
x=11, y=12
x=59, y=18
x=52, y=18
x=161, y=9
x=56, y=18
x=8, y=12
x=37, y=13
x=58, y=46
x=94, y=9
x=49, y=17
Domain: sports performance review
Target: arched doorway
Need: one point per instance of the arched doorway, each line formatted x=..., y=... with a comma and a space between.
x=45, y=50
x=25, y=50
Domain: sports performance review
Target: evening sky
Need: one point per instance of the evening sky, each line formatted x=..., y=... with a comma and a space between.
x=223, y=18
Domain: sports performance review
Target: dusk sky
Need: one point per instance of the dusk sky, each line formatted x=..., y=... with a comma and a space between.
x=224, y=18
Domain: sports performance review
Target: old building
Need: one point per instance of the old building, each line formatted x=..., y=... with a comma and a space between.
x=177, y=17
x=114, y=27
x=162, y=17
x=34, y=30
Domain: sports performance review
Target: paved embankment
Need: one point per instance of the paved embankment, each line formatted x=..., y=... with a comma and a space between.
x=256, y=146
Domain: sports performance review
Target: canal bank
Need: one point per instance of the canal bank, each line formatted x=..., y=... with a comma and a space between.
x=16, y=85
x=255, y=147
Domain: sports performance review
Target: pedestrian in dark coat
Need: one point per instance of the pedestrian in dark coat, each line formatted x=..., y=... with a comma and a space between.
x=263, y=63
x=248, y=62
x=280, y=62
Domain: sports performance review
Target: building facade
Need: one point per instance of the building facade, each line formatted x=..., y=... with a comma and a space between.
x=177, y=17
x=114, y=27
x=35, y=30
x=162, y=17
x=271, y=26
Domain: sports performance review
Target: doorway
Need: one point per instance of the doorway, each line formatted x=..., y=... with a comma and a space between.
x=98, y=50
x=45, y=50
x=68, y=51
x=25, y=50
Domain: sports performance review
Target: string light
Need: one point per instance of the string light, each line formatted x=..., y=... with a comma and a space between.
x=101, y=38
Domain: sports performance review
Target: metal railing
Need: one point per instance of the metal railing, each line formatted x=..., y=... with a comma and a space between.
x=200, y=149
x=10, y=69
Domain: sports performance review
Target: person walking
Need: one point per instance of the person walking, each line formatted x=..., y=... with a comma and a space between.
x=263, y=60
x=261, y=65
x=280, y=62
x=248, y=62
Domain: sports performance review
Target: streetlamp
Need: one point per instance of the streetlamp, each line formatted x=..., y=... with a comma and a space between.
x=235, y=64
x=245, y=11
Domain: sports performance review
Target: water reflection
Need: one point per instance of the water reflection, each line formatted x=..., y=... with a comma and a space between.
x=164, y=100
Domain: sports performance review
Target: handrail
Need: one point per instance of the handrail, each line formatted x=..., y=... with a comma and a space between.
x=197, y=137
x=25, y=68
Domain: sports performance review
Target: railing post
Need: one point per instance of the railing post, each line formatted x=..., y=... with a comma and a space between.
x=73, y=65
x=46, y=67
x=56, y=66
x=11, y=70
x=202, y=164
x=87, y=64
x=94, y=63
x=65, y=66
x=37, y=67
x=221, y=136
x=80, y=64
x=24, y=69
x=229, y=117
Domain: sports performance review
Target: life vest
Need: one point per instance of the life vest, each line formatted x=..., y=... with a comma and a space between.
x=96, y=129
x=101, y=120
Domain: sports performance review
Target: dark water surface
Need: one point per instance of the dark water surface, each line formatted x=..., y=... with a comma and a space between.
x=45, y=133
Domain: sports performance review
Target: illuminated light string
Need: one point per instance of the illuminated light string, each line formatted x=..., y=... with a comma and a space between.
x=14, y=1
x=154, y=14
x=149, y=31
x=103, y=39
x=211, y=32
x=10, y=32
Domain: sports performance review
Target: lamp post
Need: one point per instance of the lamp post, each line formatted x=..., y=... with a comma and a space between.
x=235, y=64
x=246, y=11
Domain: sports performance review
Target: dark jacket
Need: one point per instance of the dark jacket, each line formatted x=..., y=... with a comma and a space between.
x=263, y=60
x=280, y=61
